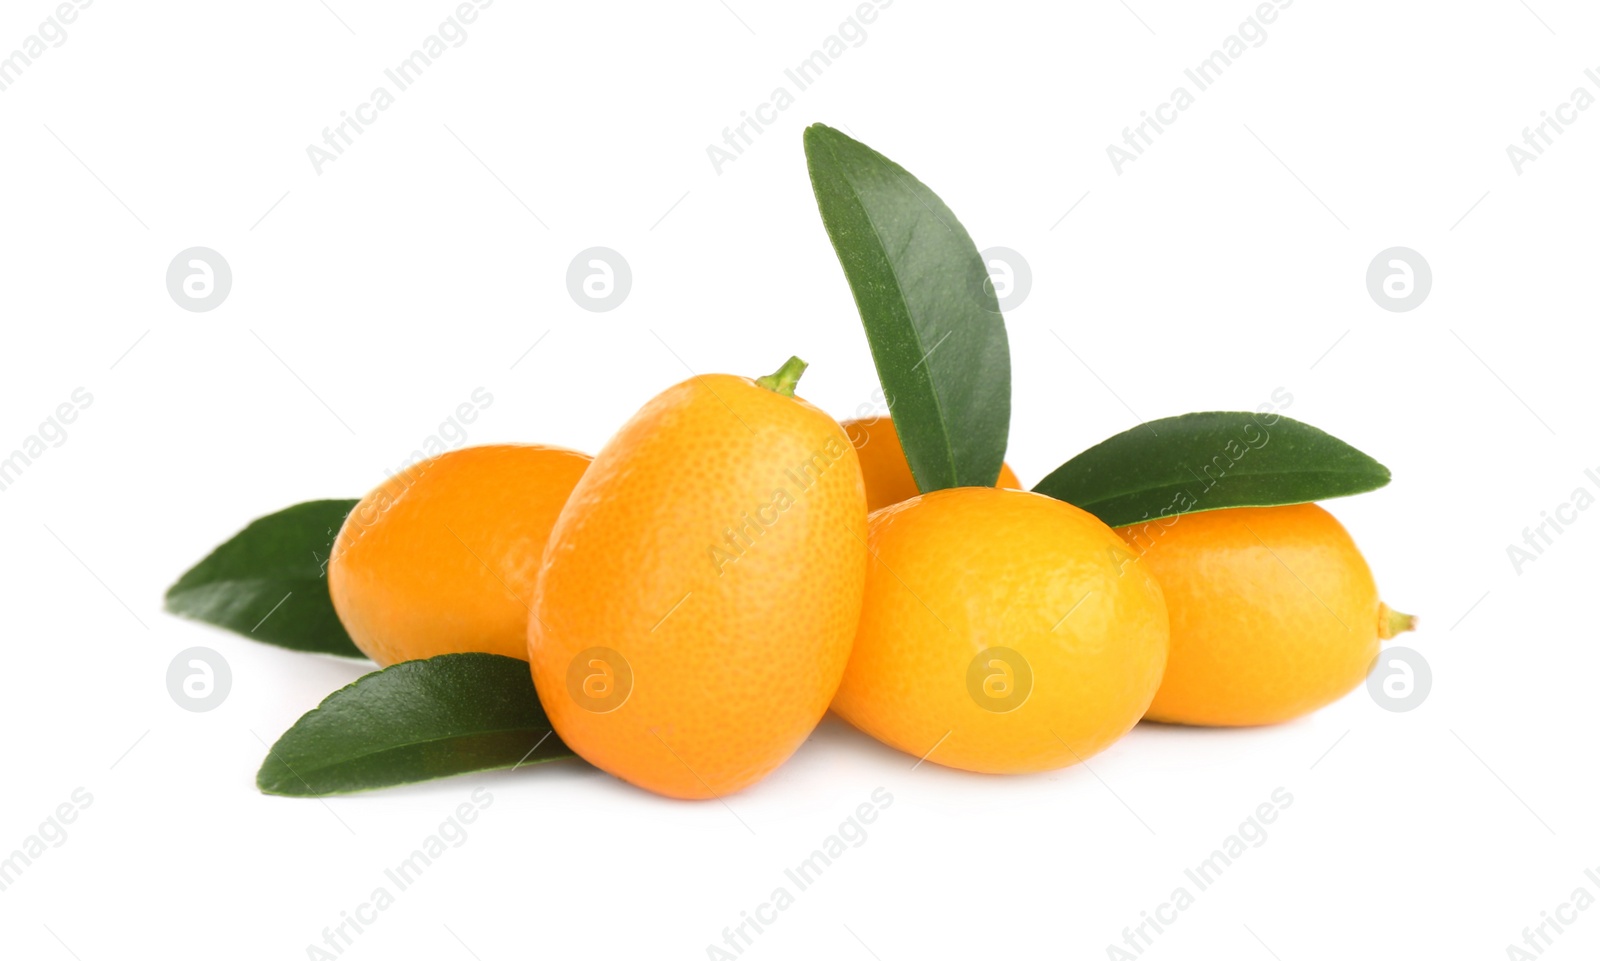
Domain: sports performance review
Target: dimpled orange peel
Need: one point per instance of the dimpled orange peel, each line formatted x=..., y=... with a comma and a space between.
x=442, y=557
x=701, y=588
x=1002, y=632
x=1274, y=613
x=883, y=462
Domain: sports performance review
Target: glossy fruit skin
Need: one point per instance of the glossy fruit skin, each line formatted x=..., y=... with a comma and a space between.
x=442, y=557
x=718, y=545
x=959, y=572
x=883, y=462
x=1274, y=613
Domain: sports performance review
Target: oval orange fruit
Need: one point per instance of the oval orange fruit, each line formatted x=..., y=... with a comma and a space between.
x=1274, y=613
x=1001, y=632
x=701, y=588
x=883, y=462
x=442, y=557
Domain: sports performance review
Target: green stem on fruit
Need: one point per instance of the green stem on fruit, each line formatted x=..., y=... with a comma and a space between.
x=1392, y=622
x=782, y=380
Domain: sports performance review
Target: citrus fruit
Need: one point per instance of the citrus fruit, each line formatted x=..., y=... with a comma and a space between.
x=883, y=462
x=442, y=557
x=1274, y=613
x=701, y=588
x=1002, y=632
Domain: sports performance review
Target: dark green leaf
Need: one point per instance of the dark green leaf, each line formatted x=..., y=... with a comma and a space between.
x=1200, y=462
x=414, y=721
x=270, y=582
x=929, y=309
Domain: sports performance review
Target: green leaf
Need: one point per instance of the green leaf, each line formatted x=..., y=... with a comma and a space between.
x=928, y=306
x=269, y=582
x=414, y=721
x=1208, y=461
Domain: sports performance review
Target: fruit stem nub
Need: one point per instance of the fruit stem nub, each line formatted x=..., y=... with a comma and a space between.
x=783, y=379
x=1392, y=622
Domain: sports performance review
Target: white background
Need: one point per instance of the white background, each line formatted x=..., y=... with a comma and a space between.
x=1228, y=261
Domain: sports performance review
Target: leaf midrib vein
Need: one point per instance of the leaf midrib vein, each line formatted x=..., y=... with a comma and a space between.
x=1180, y=483
x=417, y=743
x=916, y=335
